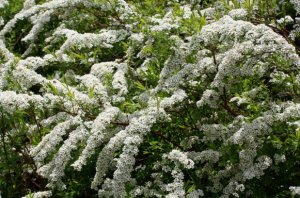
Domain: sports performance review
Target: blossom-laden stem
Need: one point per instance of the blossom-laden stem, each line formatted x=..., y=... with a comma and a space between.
x=213, y=51
x=282, y=32
x=225, y=100
x=158, y=134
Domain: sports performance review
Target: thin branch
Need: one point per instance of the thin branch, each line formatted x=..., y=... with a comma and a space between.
x=214, y=56
x=226, y=106
x=120, y=123
x=35, y=120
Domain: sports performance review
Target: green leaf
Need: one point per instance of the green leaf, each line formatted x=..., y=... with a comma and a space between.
x=71, y=95
x=140, y=85
x=91, y=92
x=193, y=187
x=53, y=88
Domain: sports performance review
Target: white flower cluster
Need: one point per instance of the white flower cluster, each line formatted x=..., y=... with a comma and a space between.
x=44, y=148
x=165, y=24
x=54, y=170
x=10, y=101
x=125, y=164
x=195, y=194
x=279, y=158
x=39, y=10
x=205, y=156
x=5, y=52
x=42, y=194
x=176, y=188
x=94, y=104
x=178, y=156
x=126, y=11
x=238, y=13
x=295, y=190
x=3, y=3
x=39, y=23
x=285, y=20
x=296, y=29
x=97, y=135
x=61, y=116
x=131, y=135
x=296, y=4
x=210, y=98
x=105, y=39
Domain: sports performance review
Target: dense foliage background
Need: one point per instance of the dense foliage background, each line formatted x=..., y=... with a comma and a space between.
x=154, y=98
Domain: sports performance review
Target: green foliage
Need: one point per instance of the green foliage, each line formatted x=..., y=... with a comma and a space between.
x=18, y=171
x=18, y=175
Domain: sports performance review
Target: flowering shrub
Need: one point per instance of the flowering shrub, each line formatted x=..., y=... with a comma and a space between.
x=115, y=98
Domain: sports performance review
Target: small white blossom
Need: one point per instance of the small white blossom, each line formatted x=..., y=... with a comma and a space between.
x=238, y=14
x=295, y=190
x=182, y=158
x=3, y=3
x=285, y=20
x=195, y=194
x=42, y=194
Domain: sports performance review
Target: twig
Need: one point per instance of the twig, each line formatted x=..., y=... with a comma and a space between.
x=120, y=123
x=226, y=106
x=35, y=120
x=214, y=56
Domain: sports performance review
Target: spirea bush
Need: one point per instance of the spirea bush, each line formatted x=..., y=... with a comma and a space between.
x=115, y=98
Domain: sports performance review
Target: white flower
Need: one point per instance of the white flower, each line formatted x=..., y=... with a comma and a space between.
x=210, y=98
x=3, y=3
x=285, y=20
x=238, y=13
x=164, y=24
x=10, y=101
x=176, y=188
x=195, y=194
x=181, y=158
x=210, y=156
x=97, y=136
x=239, y=100
x=295, y=190
x=296, y=4
x=90, y=103
x=279, y=158
x=42, y=194
x=49, y=142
